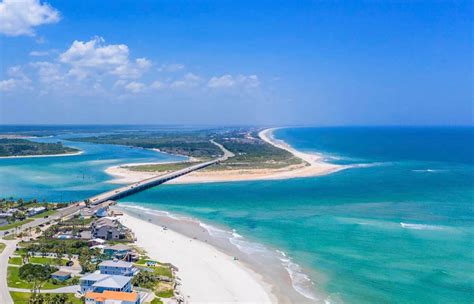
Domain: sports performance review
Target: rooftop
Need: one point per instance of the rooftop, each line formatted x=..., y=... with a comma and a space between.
x=61, y=273
x=106, y=280
x=119, y=247
x=112, y=295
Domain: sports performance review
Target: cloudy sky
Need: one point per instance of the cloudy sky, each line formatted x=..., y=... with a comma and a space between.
x=236, y=62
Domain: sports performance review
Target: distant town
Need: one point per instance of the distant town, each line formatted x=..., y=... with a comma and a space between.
x=77, y=253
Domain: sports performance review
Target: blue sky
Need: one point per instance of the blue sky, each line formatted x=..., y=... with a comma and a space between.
x=237, y=62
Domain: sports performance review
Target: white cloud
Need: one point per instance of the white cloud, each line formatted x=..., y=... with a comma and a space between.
x=39, y=53
x=49, y=73
x=229, y=81
x=8, y=85
x=174, y=67
x=19, y=17
x=157, y=85
x=94, y=57
x=189, y=80
x=17, y=79
x=135, y=87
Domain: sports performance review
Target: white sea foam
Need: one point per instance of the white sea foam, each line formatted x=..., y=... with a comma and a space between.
x=420, y=226
x=300, y=281
x=428, y=170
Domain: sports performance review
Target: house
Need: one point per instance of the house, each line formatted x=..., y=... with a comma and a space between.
x=98, y=282
x=114, y=297
x=35, y=211
x=108, y=229
x=117, y=267
x=61, y=275
x=118, y=251
x=6, y=214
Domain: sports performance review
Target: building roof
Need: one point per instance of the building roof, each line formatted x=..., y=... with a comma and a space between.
x=112, y=295
x=94, y=277
x=119, y=247
x=116, y=263
x=60, y=273
x=113, y=281
x=106, y=280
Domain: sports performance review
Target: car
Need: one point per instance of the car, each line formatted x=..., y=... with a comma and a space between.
x=69, y=263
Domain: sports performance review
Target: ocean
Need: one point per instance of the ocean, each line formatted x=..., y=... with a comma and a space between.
x=395, y=227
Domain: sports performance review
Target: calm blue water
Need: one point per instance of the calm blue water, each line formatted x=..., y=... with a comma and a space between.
x=399, y=230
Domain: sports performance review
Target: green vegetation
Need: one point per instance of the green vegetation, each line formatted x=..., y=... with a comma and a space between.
x=156, y=301
x=15, y=261
x=23, y=147
x=44, y=298
x=2, y=247
x=166, y=293
x=190, y=143
x=44, y=214
x=46, y=261
x=15, y=224
x=30, y=276
x=161, y=167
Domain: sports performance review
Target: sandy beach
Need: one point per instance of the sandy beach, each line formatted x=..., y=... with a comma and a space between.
x=314, y=166
x=207, y=275
x=46, y=155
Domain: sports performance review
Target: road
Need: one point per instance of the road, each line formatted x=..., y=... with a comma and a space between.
x=5, y=297
x=157, y=180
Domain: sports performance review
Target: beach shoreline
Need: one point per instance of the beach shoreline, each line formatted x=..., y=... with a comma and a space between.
x=206, y=274
x=206, y=255
x=44, y=155
x=314, y=165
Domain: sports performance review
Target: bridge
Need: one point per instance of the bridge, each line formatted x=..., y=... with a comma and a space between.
x=157, y=180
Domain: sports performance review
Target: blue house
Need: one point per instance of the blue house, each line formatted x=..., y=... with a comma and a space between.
x=97, y=282
x=117, y=267
x=61, y=275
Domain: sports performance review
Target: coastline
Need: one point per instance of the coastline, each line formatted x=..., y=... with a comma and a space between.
x=209, y=258
x=205, y=273
x=314, y=166
x=45, y=155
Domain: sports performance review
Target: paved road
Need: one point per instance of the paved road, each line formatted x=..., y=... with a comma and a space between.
x=142, y=185
x=5, y=297
x=61, y=213
x=67, y=289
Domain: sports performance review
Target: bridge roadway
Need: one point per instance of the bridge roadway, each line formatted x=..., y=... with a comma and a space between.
x=157, y=180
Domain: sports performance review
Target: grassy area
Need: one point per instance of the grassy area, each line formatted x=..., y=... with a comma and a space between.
x=166, y=293
x=2, y=247
x=156, y=301
x=163, y=271
x=15, y=261
x=24, y=297
x=14, y=280
x=161, y=167
x=9, y=237
x=50, y=261
x=15, y=224
x=46, y=213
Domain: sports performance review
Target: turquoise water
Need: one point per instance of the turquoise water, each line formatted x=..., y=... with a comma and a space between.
x=398, y=229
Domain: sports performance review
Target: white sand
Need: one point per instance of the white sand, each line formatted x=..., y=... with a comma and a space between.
x=44, y=155
x=315, y=166
x=207, y=275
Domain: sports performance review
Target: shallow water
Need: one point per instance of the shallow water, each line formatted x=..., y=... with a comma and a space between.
x=398, y=229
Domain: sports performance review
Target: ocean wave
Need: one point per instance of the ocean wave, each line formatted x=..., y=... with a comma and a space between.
x=420, y=226
x=300, y=281
x=151, y=211
x=426, y=170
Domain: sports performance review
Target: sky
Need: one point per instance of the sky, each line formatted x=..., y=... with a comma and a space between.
x=225, y=62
